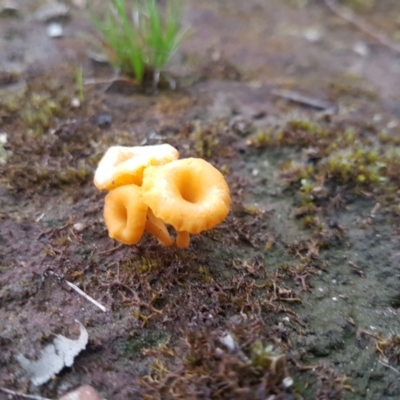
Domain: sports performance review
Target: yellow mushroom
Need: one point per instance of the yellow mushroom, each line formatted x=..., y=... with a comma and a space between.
x=189, y=194
x=125, y=215
x=124, y=165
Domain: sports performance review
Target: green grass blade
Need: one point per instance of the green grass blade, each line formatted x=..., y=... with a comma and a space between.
x=143, y=39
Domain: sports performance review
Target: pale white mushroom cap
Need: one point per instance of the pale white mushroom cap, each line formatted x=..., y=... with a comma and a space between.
x=122, y=165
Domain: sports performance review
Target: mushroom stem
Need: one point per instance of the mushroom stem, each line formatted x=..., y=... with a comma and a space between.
x=183, y=239
x=158, y=229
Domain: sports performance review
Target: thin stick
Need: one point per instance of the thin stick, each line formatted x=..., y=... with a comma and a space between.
x=109, y=251
x=25, y=396
x=362, y=25
x=303, y=100
x=389, y=366
x=109, y=81
x=82, y=293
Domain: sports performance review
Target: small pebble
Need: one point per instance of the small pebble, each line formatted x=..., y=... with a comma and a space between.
x=54, y=30
x=287, y=382
x=377, y=118
x=228, y=341
x=82, y=393
x=361, y=49
x=75, y=103
x=312, y=35
x=3, y=138
x=79, y=227
x=79, y=3
x=103, y=120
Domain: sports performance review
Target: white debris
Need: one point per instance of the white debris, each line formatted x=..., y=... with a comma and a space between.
x=54, y=30
x=287, y=382
x=228, y=341
x=361, y=49
x=79, y=3
x=75, y=103
x=54, y=357
x=312, y=35
x=40, y=217
x=3, y=153
x=79, y=227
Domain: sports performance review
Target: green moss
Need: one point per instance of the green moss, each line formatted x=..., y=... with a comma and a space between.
x=266, y=357
x=389, y=138
x=147, y=339
x=358, y=166
x=307, y=126
x=308, y=221
x=38, y=112
x=295, y=172
x=297, y=131
x=149, y=265
x=73, y=175
x=205, y=143
x=262, y=139
x=205, y=274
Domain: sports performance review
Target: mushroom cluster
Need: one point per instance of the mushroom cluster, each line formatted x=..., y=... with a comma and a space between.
x=149, y=187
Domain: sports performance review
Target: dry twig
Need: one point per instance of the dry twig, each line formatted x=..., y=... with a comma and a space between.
x=87, y=297
x=388, y=366
x=304, y=100
x=25, y=396
x=362, y=25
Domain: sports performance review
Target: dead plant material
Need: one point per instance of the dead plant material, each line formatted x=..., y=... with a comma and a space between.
x=361, y=24
x=12, y=393
x=330, y=385
x=389, y=348
x=112, y=250
x=357, y=270
x=244, y=360
x=305, y=100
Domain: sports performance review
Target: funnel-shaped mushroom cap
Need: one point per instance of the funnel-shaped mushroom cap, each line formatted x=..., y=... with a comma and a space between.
x=189, y=194
x=125, y=214
x=124, y=165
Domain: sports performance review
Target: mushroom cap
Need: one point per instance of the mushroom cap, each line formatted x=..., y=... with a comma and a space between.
x=124, y=165
x=189, y=194
x=125, y=214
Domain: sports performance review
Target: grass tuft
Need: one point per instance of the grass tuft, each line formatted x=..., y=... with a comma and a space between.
x=141, y=40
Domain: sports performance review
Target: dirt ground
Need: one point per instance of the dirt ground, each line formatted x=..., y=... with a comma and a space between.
x=296, y=295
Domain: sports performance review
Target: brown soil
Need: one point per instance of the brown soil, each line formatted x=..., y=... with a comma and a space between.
x=306, y=262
